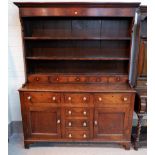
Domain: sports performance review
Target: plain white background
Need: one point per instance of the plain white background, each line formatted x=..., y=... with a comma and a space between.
x=11, y=66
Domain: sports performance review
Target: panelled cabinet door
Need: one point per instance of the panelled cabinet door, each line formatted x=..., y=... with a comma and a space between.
x=44, y=122
x=110, y=123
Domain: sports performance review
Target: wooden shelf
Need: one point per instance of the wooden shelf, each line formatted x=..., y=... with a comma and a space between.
x=77, y=38
x=76, y=58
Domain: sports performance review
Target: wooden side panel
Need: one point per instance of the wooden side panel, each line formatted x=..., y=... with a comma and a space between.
x=142, y=66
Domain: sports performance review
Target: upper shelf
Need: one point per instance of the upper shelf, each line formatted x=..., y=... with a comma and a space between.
x=76, y=58
x=77, y=38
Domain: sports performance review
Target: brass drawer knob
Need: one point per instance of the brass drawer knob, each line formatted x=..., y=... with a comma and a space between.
x=57, y=79
x=75, y=12
x=84, y=113
x=69, y=98
x=118, y=78
x=70, y=124
x=69, y=112
x=58, y=121
x=95, y=122
x=53, y=98
x=29, y=97
x=84, y=124
x=84, y=98
x=70, y=135
x=125, y=98
x=77, y=79
x=100, y=99
x=84, y=136
x=37, y=79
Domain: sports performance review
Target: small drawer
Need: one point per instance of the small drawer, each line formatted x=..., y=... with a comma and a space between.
x=112, y=98
x=77, y=98
x=72, y=134
x=42, y=97
x=58, y=79
x=77, y=123
x=77, y=112
x=38, y=79
x=77, y=79
x=98, y=79
x=118, y=79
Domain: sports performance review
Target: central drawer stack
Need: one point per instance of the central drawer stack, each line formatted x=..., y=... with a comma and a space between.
x=78, y=116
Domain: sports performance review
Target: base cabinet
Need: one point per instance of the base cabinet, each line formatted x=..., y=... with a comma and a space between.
x=76, y=117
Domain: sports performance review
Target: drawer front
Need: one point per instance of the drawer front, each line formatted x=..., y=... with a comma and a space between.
x=77, y=98
x=72, y=134
x=75, y=11
x=77, y=123
x=112, y=98
x=42, y=97
x=77, y=112
x=118, y=79
x=37, y=79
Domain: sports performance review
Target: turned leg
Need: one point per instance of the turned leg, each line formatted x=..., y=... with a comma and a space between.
x=138, y=131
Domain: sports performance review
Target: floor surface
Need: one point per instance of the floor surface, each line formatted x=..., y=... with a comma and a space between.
x=16, y=148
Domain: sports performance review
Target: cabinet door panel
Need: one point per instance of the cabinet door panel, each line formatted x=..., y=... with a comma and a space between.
x=110, y=123
x=44, y=122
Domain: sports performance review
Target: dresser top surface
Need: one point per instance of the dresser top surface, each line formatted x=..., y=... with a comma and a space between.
x=78, y=87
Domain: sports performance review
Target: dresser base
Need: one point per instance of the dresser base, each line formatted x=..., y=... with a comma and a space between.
x=125, y=144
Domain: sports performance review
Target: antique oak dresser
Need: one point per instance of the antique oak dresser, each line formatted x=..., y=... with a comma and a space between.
x=77, y=65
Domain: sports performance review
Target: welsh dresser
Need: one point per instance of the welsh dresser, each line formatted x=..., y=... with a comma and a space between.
x=77, y=65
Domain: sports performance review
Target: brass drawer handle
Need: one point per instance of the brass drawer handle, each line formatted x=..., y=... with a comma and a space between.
x=69, y=98
x=75, y=12
x=53, y=98
x=70, y=135
x=84, y=136
x=70, y=124
x=100, y=99
x=84, y=113
x=29, y=97
x=146, y=83
x=84, y=98
x=125, y=98
x=69, y=112
x=58, y=121
x=84, y=124
x=95, y=122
